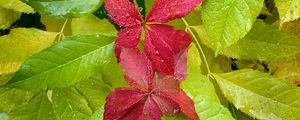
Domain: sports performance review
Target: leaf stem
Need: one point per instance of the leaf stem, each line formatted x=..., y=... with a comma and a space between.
x=197, y=44
x=61, y=33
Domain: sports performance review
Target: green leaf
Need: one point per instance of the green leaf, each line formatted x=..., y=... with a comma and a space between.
x=8, y=17
x=289, y=10
x=39, y=108
x=20, y=44
x=10, y=98
x=16, y=5
x=91, y=25
x=227, y=21
x=265, y=42
x=65, y=63
x=98, y=114
x=260, y=95
x=68, y=104
x=94, y=90
x=64, y=8
x=202, y=91
x=287, y=69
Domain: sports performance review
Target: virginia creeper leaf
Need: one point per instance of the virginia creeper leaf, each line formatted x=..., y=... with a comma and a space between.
x=123, y=12
x=185, y=103
x=289, y=10
x=16, y=5
x=119, y=101
x=151, y=111
x=137, y=69
x=20, y=44
x=92, y=25
x=166, y=105
x=38, y=108
x=167, y=10
x=227, y=21
x=128, y=38
x=65, y=63
x=260, y=95
x=202, y=91
x=8, y=17
x=69, y=104
x=163, y=44
x=64, y=9
x=268, y=40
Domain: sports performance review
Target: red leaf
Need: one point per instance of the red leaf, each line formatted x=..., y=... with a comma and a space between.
x=167, y=10
x=128, y=38
x=181, y=65
x=120, y=101
x=137, y=68
x=167, y=105
x=151, y=110
x=185, y=103
x=123, y=12
x=166, y=84
x=146, y=110
x=162, y=44
x=135, y=113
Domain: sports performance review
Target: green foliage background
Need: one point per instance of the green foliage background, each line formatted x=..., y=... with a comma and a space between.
x=57, y=60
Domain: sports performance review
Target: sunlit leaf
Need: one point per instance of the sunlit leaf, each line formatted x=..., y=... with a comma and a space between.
x=20, y=44
x=227, y=21
x=16, y=5
x=289, y=10
x=65, y=63
x=260, y=95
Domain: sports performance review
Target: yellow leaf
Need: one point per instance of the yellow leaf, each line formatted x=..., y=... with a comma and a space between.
x=20, y=44
x=16, y=5
x=91, y=24
x=8, y=17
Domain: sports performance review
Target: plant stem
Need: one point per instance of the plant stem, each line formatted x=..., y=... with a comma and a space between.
x=197, y=44
x=61, y=33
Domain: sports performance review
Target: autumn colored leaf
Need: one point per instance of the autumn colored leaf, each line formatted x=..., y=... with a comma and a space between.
x=146, y=102
x=167, y=10
x=162, y=42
